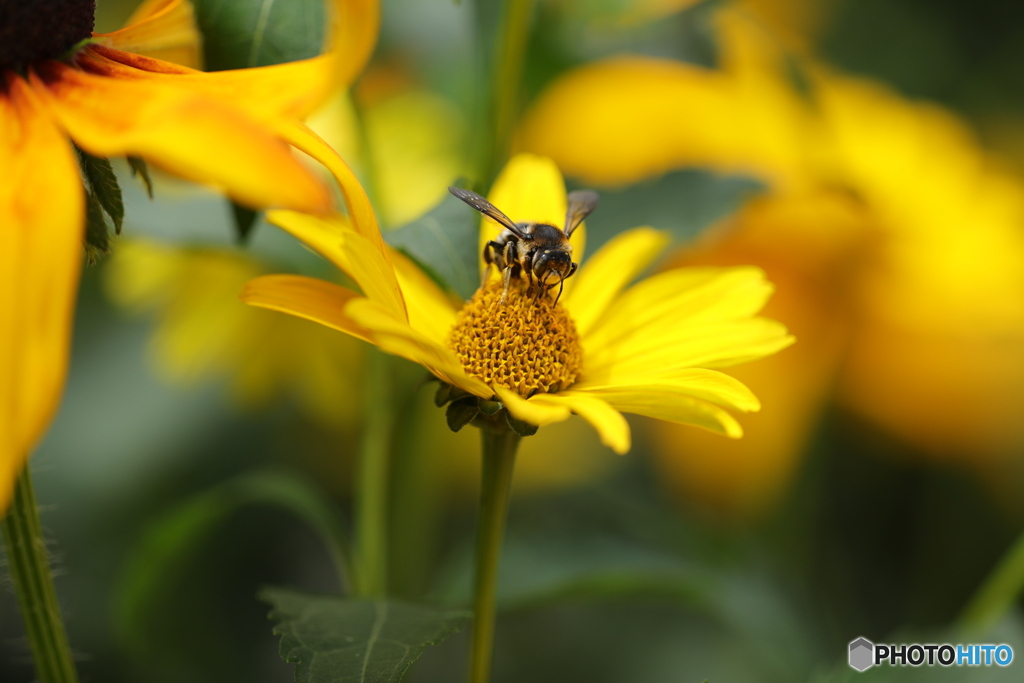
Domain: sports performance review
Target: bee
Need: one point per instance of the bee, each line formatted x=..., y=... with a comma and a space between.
x=539, y=251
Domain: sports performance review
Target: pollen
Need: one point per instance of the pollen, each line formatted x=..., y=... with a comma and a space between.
x=525, y=344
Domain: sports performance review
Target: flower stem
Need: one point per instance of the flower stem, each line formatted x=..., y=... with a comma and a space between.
x=505, y=85
x=33, y=584
x=371, y=493
x=997, y=594
x=499, y=457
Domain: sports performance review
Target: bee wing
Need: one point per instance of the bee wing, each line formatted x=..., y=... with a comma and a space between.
x=487, y=209
x=581, y=203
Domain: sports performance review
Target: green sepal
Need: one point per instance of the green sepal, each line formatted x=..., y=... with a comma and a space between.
x=490, y=408
x=447, y=392
x=245, y=220
x=141, y=170
x=97, y=234
x=461, y=412
x=519, y=427
x=102, y=182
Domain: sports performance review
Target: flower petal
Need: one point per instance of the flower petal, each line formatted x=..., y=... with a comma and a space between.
x=431, y=312
x=535, y=413
x=187, y=134
x=351, y=252
x=41, y=221
x=360, y=211
x=609, y=271
x=305, y=297
x=398, y=337
x=665, y=403
x=162, y=29
x=293, y=88
x=609, y=423
x=708, y=385
x=531, y=189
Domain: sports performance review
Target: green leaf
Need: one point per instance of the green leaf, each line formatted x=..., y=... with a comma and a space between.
x=239, y=34
x=245, y=220
x=176, y=538
x=103, y=183
x=461, y=412
x=140, y=169
x=342, y=640
x=97, y=234
x=444, y=242
x=490, y=408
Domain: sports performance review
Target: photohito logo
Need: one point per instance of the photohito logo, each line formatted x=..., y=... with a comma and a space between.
x=864, y=654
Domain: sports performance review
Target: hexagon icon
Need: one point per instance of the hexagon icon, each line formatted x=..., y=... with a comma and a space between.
x=862, y=654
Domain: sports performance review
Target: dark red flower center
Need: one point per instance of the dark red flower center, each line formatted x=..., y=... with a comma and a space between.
x=31, y=30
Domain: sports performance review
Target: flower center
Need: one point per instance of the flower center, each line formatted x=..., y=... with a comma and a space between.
x=32, y=30
x=525, y=344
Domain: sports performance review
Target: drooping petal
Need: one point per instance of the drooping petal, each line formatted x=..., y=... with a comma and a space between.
x=665, y=403
x=353, y=253
x=187, y=134
x=609, y=271
x=535, y=413
x=41, y=221
x=708, y=385
x=162, y=29
x=609, y=423
x=305, y=297
x=361, y=215
x=398, y=337
x=531, y=189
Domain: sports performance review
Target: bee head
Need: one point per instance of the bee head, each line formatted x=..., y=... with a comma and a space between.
x=551, y=266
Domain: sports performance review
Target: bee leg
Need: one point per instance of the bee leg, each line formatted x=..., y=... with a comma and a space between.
x=529, y=279
x=561, y=284
x=506, y=277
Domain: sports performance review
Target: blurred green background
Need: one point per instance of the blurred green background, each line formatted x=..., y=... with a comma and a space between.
x=616, y=569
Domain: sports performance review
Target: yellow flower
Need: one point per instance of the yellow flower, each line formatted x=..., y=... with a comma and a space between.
x=607, y=348
x=60, y=84
x=895, y=240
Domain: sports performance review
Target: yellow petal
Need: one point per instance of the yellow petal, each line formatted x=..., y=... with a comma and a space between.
x=162, y=29
x=41, y=221
x=708, y=385
x=609, y=271
x=430, y=310
x=349, y=251
x=683, y=306
x=305, y=297
x=672, y=349
x=666, y=403
x=189, y=135
x=535, y=413
x=398, y=337
x=361, y=216
x=609, y=423
x=531, y=189
x=293, y=88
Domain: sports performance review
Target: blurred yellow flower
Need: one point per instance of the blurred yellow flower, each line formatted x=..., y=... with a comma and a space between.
x=109, y=96
x=896, y=244
x=203, y=330
x=646, y=349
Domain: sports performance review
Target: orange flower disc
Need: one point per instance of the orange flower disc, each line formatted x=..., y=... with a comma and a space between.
x=525, y=344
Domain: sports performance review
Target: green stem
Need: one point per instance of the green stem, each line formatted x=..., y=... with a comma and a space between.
x=499, y=457
x=505, y=85
x=998, y=593
x=33, y=584
x=371, y=493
